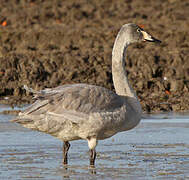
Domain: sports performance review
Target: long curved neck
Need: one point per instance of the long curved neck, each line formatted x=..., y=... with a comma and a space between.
x=120, y=79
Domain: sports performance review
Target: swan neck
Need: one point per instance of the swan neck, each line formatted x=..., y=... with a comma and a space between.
x=119, y=74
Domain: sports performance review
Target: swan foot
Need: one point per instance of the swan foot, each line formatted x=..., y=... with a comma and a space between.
x=66, y=147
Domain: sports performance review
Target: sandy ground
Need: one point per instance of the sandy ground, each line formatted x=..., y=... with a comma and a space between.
x=53, y=42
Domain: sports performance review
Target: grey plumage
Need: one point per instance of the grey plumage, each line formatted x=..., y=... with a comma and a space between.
x=82, y=111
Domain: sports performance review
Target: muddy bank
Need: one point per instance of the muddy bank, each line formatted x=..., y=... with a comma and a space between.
x=50, y=43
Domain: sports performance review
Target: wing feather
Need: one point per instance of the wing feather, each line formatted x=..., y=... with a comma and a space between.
x=78, y=97
x=72, y=103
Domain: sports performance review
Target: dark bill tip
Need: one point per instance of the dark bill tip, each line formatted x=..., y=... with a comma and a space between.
x=153, y=40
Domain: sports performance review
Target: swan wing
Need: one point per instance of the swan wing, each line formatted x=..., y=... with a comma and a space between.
x=74, y=101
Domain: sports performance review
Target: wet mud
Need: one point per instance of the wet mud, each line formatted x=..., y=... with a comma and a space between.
x=50, y=43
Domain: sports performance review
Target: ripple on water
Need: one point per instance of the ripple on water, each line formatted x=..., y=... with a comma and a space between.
x=155, y=149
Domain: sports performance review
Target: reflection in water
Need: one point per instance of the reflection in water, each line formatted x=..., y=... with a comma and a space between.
x=92, y=169
x=157, y=148
x=66, y=171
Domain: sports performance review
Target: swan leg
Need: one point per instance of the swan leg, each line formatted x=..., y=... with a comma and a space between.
x=66, y=147
x=92, y=142
x=92, y=157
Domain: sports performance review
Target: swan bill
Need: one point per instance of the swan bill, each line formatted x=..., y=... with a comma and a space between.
x=149, y=38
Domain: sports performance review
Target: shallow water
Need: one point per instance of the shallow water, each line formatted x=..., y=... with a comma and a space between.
x=157, y=149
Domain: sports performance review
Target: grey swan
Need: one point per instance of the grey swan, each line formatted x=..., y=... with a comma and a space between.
x=89, y=112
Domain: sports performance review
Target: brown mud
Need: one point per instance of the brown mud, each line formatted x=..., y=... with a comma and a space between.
x=55, y=42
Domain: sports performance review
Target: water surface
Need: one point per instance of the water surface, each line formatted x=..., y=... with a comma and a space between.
x=157, y=149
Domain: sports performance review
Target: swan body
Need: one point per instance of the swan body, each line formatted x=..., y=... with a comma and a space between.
x=89, y=112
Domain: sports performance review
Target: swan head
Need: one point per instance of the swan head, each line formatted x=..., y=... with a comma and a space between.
x=134, y=33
